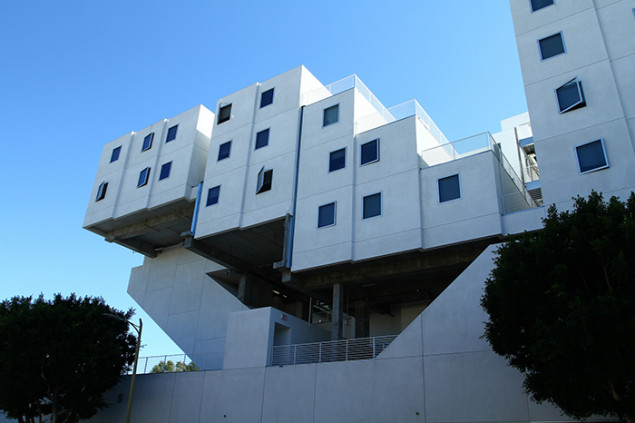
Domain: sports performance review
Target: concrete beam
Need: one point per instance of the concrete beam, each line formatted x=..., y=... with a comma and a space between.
x=148, y=225
x=137, y=245
x=337, y=312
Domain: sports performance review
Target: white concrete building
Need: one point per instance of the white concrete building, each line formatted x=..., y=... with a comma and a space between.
x=300, y=213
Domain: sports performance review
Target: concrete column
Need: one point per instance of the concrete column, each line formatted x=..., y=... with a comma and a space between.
x=362, y=320
x=337, y=316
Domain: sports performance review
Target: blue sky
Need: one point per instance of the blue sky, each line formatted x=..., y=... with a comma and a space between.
x=77, y=74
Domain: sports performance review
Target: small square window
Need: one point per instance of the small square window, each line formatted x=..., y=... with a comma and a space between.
x=592, y=156
x=165, y=170
x=212, y=195
x=337, y=160
x=570, y=96
x=224, y=150
x=449, y=188
x=101, y=191
x=265, y=177
x=147, y=141
x=550, y=46
x=144, y=175
x=372, y=205
x=326, y=215
x=331, y=115
x=539, y=4
x=115, y=154
x=266, y=98
x=172, y=133
x=224, y=113
x=370, y=152
x=262, y=139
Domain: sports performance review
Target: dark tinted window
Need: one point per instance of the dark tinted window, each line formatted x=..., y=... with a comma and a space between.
x=147, y=141
x=551, y=46
x=449, y=188
x=337, y=159
x=115, y=154
x=212, y=195
x=370, y=152
x=266, y=98
x=570, y=96
x=265, y=177
x=262, y=138
x=539, y=4
x=331, y=115
x=224, y=113
x=172, y=133
x=591, y=156
x=326, y=215
x=165, y=170
x=224, y=150
x=101, y=191
x=372, y=205
x=144, y=175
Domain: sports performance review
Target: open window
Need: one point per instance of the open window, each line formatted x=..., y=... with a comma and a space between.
x=265, y=178
x=570, y=96
x=224, y=113
x=101, y=191
x=144, y=175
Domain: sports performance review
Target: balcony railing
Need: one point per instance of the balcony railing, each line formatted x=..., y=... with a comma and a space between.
x=329, y=351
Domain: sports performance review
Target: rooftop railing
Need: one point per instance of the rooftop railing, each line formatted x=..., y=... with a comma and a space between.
x=329, y=351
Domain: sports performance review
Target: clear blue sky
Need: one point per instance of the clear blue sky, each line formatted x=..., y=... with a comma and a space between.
x=76, y=74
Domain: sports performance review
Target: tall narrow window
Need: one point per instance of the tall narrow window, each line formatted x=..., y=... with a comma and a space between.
x=592, y=156
x=265, y=177
x=372, y=205
x=144, y=175
x=337, y=159
x=147, y=141
x=165, y=170
x=266, y=98
x=262, y=139
x=570, y=96
x=326, y=215
x=331, y=115
x=172, y=133
x=551, y=46
x=212, y=195
x=539, y=4
x=449, y=188
x=370, y=152
x=224, y=113
x=101, y=191
x=115, y=154
x=224, y=150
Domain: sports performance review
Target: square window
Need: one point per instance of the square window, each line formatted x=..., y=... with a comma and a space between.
x=262, y=139
x=224, y=150
x=115, y=154
x=372, y=205
x=550, y=46
x=337, y=160
x=449, y=188
x=165, y=170
x=370, y=152
x=144, y=175
x=570, y=96
x=331, y=115
x=539, y=4
x=592, y=156
x=172, y=133
x=224, y=113
x=212, y=195
x=101, y=191
x=147, y=141
x=265, y=178
x=266, y=98
x=326, y=215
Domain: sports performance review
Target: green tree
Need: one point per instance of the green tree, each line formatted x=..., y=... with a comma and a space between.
x=561, y=305
x=58, y=357
x=169, y=366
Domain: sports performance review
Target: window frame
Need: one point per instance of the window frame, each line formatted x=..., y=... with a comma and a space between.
x=262, y=185
x=531, y=6
x=381, y=205
x=216, y=189
x=262, y=94
x=147, y=142
x=229, y=151
x=606, y=157
x=331, y=160
x=101, y=191
x=458, y=175
x=564, y=47
x=112, y=154
x=361, y=148
x=334, y=203
x=176, y=130
x=169, y=170
x=221, y=110
x=268, y=132
x=144, y=177
x=582, y=99
x=324, y=111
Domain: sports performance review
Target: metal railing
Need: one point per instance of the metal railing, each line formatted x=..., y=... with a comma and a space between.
x=329, y=351
x=147, y=364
